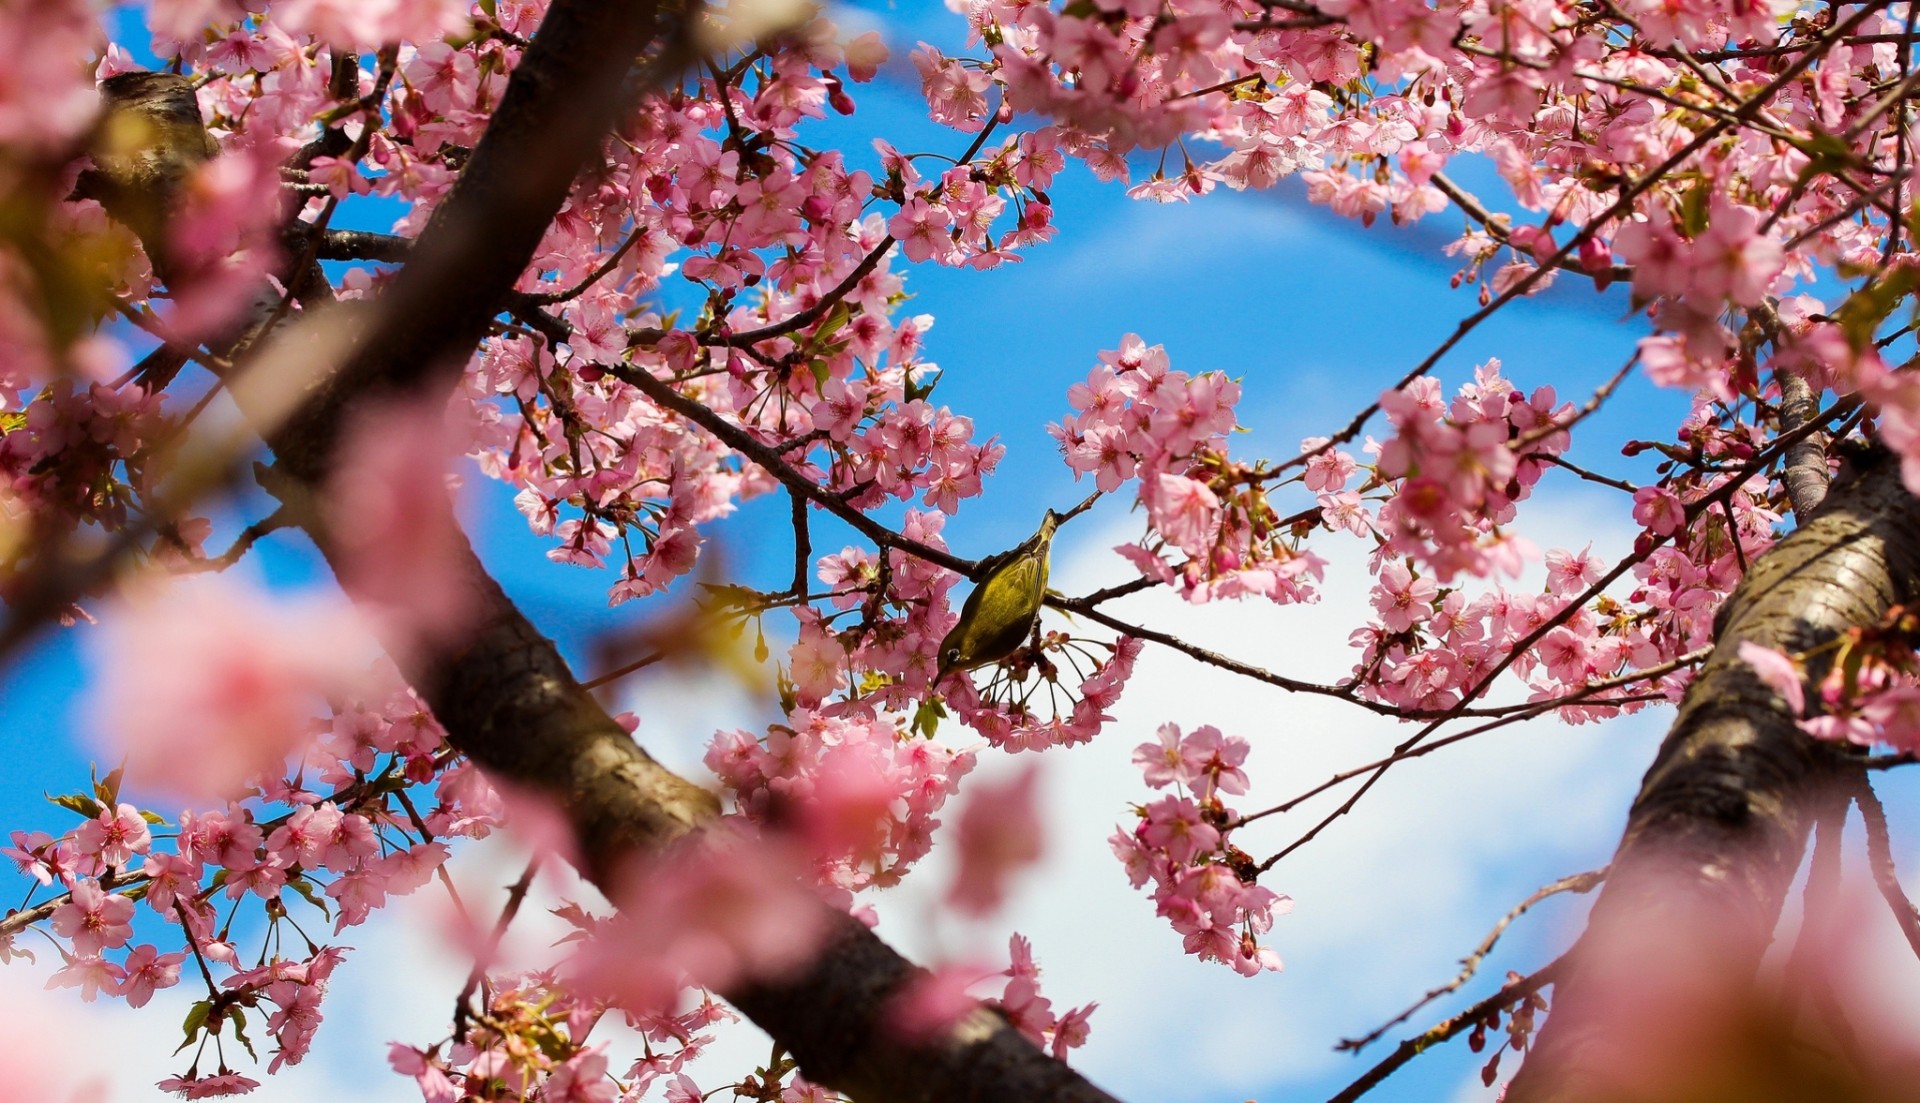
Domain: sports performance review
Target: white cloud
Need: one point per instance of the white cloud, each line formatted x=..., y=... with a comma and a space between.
x=1388, y=898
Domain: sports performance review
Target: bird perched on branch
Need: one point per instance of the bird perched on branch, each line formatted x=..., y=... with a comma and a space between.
x=150, y=139
x=1002, y=609
x=148, y=145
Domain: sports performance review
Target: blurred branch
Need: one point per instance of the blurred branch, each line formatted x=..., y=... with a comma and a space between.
x=1716, y=834
x=1880, y=858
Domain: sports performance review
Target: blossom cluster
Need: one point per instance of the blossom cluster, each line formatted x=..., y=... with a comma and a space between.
x=1869, y=693
x=1137, y=420
x=1203, y=885
x=864, y=791
x=1460, y=473
x=943, y=996
x=533, y=1039
x=1369, y=102
x=1462, y=468
x=278, y=845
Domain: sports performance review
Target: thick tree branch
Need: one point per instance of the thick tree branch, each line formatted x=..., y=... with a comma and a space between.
x=1716, y=834
x=569, y=87
x=1805, y=472
x=506, y=697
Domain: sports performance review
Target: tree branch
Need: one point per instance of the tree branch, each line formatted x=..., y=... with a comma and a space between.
x=506, y=697
x=1716, y=834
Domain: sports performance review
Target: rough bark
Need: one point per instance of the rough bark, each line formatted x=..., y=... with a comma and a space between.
x=505, y=696
x=1718, y=829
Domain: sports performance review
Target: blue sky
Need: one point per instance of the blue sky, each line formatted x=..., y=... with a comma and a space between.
x=1315, y=314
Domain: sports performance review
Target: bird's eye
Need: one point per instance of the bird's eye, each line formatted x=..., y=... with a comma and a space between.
x=953, y=654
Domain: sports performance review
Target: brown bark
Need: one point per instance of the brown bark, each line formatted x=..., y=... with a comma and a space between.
x=505, y=696
x=1717, y=831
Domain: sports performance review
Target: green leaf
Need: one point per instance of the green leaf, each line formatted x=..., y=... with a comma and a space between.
x=240, y=1031
x=837, y=318
x=1862, y=313
x=926, y=718
x=1826, y=154
x=108, y=788
x=306, y=890
x=77, y=802
x=1693, y=209
x=196, y=1020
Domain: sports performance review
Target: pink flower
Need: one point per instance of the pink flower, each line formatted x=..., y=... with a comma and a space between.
x=1662, y=263
x=1219, y=758
x=1071, y=1030
x=1401, y=599
x=865, y=54
x=932, y=1002
x=922, y=230
x=1896, y=711
x=1732, y=259
x=227, y=1082
x=1346, y=511
x=147, y=970
x=94, y=919
x=91, y=974
x=207, y=683
x=1659, y=510
x=1026, y=1009
x=434, y=1083
x=1328, y=471
x=391, y=516
x=1565, y=653
x=1174, y=824
x=581, y=1078
x=1570, y=572
x=1778, y=672
x=40, y=857
x=956, y=95
x=1164, y=762
x=114, y=836
x=817, y=661
x=1000, y=833
x=1186, y=512
x=721, y=909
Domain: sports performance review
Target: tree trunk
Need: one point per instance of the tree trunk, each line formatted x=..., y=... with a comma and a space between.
x=1716, y=834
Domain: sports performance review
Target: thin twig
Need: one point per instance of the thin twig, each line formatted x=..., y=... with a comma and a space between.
x=516, y=893
x=1509, y=993
x=1578, y=882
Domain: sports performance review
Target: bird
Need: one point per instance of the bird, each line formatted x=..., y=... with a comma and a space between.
x=151, y=139
x=1002, y=609
x=148, y=145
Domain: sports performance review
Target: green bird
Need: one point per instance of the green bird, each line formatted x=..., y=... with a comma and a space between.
x=1001, y=610
x=151, y=140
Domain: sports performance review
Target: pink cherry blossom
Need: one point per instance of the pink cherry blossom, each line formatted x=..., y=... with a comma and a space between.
x=206, y=684
x=94, y=918
x=1000, y=832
